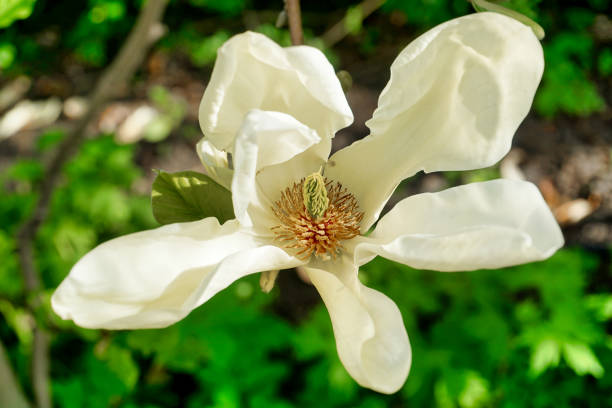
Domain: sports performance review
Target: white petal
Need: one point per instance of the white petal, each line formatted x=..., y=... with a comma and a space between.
x=253, y=72
x=215, y=163
x=455, y=98
x=370, y=335
x=481, y=225
x=154, y=278
x=272, y=151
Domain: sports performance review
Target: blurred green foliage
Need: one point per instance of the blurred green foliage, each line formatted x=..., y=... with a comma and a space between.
x=571, y=57
x=576, y=56
x=226, y=7
x=527, y=336
x=11, y=10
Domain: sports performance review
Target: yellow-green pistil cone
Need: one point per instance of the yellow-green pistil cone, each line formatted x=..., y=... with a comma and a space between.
x=315, y=195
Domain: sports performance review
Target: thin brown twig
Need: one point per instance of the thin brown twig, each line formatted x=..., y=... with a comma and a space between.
x=10, y=391
x=113, y=79
x=339, y=30
x=294, y=16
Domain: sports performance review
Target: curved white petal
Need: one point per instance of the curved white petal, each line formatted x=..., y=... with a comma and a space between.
x=481, y=225
x=253, y=72
x=154, y=278
x=215, y=163
x=455, y=98
x=370, y=335
x=272, y=151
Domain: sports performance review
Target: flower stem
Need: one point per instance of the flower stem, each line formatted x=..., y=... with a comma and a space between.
x=339, y=30
x=295, y=21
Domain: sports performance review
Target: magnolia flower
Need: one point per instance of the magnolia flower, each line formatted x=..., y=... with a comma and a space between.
x=454, y=100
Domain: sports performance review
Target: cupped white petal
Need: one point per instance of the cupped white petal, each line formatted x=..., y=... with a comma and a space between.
x=215, y=163
x=370, y=335
x=455, y=98
x=155, y=278
x=253, y=72
x=492, y=224
x=272, y=151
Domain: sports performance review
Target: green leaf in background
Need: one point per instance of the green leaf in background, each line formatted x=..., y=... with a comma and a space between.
x=604, y=62
x=49, y=139
x=171, y=110
x=100, y=381
x=189, y=196
x=547, y=353
x=475, y=392
x=11, y=10
x=9, y=286
x=226, y=7
x=566, y=85
x=566, y=88
x=582, y=360
x=353, y=19
x=19, y=319
x=120, y=362
x=7, y=54
x=601, y=304
x=111, y=10
x=203, y=51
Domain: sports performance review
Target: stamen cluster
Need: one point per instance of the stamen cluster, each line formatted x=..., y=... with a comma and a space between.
x=321, y=236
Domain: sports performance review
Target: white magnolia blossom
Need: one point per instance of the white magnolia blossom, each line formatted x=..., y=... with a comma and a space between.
x=455, y=98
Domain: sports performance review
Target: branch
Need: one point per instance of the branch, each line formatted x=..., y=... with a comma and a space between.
x=40, y=368
x=10, y=392
x=339, y=30
x=295, y=21
x=113, y=79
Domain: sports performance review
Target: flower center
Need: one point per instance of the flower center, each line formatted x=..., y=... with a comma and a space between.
x=316, y=215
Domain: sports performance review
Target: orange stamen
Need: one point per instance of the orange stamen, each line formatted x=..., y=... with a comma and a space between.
x=321, y=237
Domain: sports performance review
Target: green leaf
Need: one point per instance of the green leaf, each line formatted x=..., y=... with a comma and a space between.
x=72, y=240
x=475, y=392
x=567, y=88
x=604, y=62
x=189, y=196
x=226, y=7
x=11, y=10
x=203, y=51
x=353, y=19
x=582, y=360
x=7, y=54
x=121, y=363
x=19, y=320
x=49, y=139
x=9, y=285
x=546, y=354
x=601, y=304
x=102, y=379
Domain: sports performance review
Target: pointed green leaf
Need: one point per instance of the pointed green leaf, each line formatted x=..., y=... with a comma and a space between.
x=189, y=196
x=546, y=353
x=582, y=360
